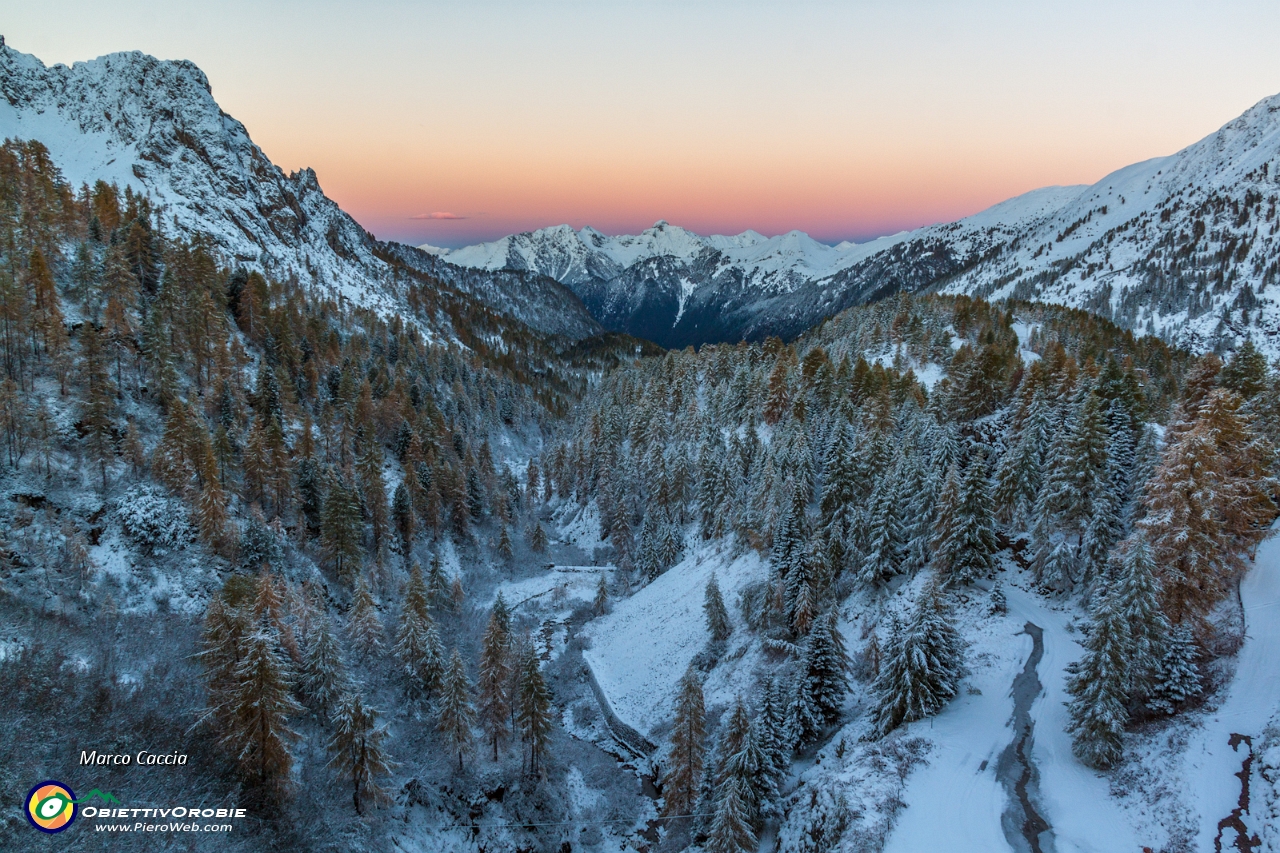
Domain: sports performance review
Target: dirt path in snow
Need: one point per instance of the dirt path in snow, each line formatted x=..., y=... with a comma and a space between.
x=1024, y=828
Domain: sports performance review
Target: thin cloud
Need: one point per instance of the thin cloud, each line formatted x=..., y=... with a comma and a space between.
x=439, y=214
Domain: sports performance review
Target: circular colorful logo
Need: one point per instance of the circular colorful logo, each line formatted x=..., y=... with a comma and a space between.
x=51, y=806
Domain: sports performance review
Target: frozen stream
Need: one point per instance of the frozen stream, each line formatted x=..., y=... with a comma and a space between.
x=1024, y=828
x=967, y=799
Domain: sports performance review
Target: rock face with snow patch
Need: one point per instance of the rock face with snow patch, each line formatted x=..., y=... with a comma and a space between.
x=154, y=125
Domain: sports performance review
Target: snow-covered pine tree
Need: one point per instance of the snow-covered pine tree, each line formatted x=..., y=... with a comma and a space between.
x=1101, y=532
x=538, y=540
x=731, y=830
x=922, y=665
x=417, y=643
x=437, y=585
x=1136, y=593
x=742, y=757
x=648, y=559
x=885, y=545
x=495, y=676
x=363, y=625
x=965, y=537
x=839, y=494
x=825, y=668
x=1018, y=476
x=772, y=725
x=917, y=508
x=600, y=604
x=324, y=674
x=533, y=708
x=402, y=515
x=670, y=542
x=259, y=706
x=789, y=540
x=717, y=616
x=1207, y=505
x=1177, y=675
x=357, y=748
x=340, y=528
x=684, y=776
x=1098, y=687
x=221, y=647
x=803, y=720
x=457, y=716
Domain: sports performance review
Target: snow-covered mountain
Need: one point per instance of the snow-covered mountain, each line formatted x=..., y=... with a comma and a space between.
x=1183, y=246
x=154, y=126
x=667, y=283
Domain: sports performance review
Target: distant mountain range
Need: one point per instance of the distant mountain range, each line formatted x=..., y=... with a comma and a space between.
x=1183, y=246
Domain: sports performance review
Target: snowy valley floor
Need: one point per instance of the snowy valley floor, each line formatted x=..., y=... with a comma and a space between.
x=938, y=784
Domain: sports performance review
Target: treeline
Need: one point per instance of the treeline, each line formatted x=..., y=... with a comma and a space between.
x=833, y=459
x=274, y=426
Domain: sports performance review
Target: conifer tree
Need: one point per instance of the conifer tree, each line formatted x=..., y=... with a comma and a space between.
x=402, y=513
x=538, y=538
x=684, y=774
x=885, y=544
x=717, y=615
x=533, y=708
x=923, y=663
x=374, y=491
x=742, y=757
x=802, y=722
x=97, y=418
x=260, y=705
x=826, y=668
x=340, y=529
x=1018, y=476
x=437, y=584
x=495, y=677
x=504, y=547
x=1098, y=686
x=731, y=830
x=1207, y=506
x=417, y=644
x=1177, y=675
x=772, y=720
x=600, y=605
x=357, y=748
x=324, y=677
x=222, y=646
x=456, y=714
x=363, y=625
x=1136, y=593
x=965, y=540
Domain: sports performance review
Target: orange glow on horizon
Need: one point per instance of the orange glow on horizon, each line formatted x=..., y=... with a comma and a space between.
x=842, y=119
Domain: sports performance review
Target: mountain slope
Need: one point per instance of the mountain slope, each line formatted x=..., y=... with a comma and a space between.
x=154, y=125
x=1183, y=246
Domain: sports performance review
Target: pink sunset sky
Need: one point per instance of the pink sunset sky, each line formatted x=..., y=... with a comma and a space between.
x=460, y=122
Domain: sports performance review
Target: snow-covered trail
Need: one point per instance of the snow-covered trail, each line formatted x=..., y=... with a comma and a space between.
x=1209, y=762
x=956, y=802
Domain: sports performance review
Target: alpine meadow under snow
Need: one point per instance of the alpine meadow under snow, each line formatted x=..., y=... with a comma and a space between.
x=955, y=540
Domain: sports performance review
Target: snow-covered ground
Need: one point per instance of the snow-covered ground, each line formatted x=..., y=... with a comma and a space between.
x=639, y=651
x=1253, y=697
x=957, y=796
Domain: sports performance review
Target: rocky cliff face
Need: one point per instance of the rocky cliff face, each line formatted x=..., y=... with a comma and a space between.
x=154, y=125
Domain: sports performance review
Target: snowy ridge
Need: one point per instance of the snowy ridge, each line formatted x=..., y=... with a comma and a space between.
x=154, y=125
x=1183, y=246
